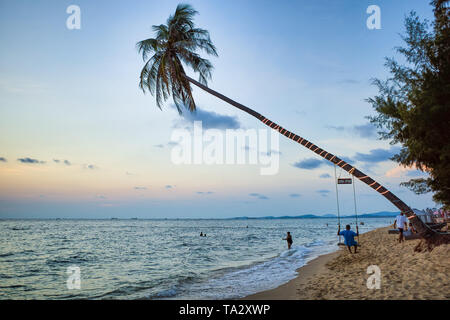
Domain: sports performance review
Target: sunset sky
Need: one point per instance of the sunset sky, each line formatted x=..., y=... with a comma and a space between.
x=79, y=139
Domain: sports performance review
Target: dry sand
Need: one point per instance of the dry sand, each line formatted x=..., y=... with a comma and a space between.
x=405, y=274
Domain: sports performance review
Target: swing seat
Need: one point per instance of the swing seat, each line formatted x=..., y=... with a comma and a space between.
x=341, y=244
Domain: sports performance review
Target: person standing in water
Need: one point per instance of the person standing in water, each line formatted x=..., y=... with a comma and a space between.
x=288, y=239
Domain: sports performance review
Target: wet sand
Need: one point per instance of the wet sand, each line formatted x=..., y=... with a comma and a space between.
x=405, y=274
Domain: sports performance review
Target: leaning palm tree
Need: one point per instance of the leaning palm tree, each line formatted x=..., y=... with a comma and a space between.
x=176, y=44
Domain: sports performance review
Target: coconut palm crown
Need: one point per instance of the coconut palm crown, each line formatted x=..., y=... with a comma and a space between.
x=175, y=43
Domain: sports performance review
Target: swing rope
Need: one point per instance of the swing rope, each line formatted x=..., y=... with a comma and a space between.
x=337, y=201
x=354, y=200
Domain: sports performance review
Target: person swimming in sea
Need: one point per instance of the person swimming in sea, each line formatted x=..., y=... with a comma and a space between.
x=288, y=239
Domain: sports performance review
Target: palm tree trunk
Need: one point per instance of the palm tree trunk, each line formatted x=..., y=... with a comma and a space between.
x=423, y=229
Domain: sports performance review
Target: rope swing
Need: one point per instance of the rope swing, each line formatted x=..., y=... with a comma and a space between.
x=345, y=181
x=354, y=200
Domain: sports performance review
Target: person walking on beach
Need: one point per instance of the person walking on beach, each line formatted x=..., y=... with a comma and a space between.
x=349, y=237
x=288, y=239
x=402, y=224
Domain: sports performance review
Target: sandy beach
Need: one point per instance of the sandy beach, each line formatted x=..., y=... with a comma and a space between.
x=405, y=274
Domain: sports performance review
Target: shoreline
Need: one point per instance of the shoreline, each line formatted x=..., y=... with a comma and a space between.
x=287, y=291
x=405, y=274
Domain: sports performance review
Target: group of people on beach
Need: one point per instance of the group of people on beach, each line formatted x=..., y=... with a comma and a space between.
x=349, y=235
x=400, y=223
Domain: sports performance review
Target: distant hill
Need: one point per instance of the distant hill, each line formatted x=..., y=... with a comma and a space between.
x=380, y=214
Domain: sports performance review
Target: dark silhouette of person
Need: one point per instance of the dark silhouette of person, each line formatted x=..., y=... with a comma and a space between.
x=288, y=239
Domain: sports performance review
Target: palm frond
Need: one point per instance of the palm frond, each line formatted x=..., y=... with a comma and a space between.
x=147, y=47
x=198, y=64
x=173, y=44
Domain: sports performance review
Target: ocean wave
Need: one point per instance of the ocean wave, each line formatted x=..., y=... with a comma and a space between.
x=81, y=258
x=19, y=229
x=8, y=254
x=241, y=281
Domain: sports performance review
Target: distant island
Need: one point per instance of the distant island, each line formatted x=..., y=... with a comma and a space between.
x=381, y=214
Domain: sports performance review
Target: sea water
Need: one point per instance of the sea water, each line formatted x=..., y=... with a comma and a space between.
x=159, y=259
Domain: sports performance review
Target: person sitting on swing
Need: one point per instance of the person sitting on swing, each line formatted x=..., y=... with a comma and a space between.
x=349, y=237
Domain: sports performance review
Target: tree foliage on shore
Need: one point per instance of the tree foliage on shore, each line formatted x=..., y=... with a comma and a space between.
x=413, y=105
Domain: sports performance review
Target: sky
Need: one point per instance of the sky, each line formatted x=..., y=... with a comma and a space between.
x=79, y=139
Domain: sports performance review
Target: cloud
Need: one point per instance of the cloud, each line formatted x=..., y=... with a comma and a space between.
x=210, y=120
x=367, y=130
x=90, y=166
x=140, y=188
x=66, y=162
x=325, y=176
x=295, y=195
x=204, y=192
x=30, y=160
x=312, y=163
x=258, y=195
x=159, y=146
x=349, y=81
x=269, y=153
x=337, y=128
x=169, y=186
x=2, y=159
x=400, y=170
x=377, y=155
x=308, y=164
x=323, y=192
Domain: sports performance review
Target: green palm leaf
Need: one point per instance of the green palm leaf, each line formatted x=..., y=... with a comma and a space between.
x=175, y=42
